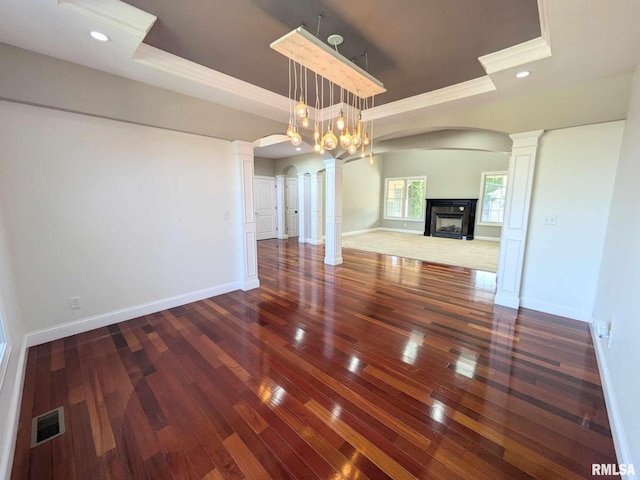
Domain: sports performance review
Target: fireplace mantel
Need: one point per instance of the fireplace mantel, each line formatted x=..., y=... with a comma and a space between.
x=447, y=208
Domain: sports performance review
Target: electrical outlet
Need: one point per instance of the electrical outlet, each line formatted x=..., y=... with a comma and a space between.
x=550, y=219
x=602, y=329
x=74, y=302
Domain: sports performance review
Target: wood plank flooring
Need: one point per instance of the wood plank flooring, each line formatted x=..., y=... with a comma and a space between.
x=382, y=368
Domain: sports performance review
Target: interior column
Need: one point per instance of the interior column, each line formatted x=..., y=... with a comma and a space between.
x=243, y=154
x=317, y=180
x=302, y=207
x=333, y=227
x=516, y=218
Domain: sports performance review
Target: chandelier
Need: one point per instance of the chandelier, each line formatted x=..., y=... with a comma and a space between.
x=356, y=90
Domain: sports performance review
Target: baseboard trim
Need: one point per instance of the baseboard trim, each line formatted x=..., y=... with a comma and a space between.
x=250, y=285
x=510, y=302
x=487, y=239
x=13, y=415
x=333, y=261
x=97, y=321
x=623, y=452
x=568, y=312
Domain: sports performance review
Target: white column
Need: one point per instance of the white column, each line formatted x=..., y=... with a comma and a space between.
x=281, y=213
x=333, y=229
x=516, y=218
x=302, y=206
x=243, y=153
x=317, y=180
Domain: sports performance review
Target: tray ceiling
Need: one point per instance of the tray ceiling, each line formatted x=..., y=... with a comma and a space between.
x=413, y=46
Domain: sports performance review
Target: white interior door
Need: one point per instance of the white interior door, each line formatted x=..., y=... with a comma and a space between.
x=266, y=221
x=292, y=207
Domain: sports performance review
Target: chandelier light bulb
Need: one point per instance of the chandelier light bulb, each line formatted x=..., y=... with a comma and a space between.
x=316, y=134
x=370, y=158
x=329, y=141
x=352, y=149
x=305, y=121
x=366, y=140
x=345, y=139
x=356, y=140
x=340, y=121
x=290, y=127
x=296, y=139
x=317, y=148
x=301, y=110
x=321, y=152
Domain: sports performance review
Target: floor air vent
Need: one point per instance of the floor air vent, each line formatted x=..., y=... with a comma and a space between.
x=47, y=426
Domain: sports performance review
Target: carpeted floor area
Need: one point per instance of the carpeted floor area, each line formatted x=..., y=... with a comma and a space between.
x=476, y=254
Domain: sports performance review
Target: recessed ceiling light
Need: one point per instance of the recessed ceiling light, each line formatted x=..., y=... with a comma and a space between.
x=298, y=149
x=101, y=37
x=522, y=74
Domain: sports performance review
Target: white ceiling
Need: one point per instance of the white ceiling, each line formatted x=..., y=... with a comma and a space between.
x=588, y=40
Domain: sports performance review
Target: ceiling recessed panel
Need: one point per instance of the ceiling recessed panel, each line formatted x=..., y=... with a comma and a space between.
x=412, y=46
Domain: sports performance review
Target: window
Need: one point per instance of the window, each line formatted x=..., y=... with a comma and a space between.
x=493, y=190
x=4, y=353
x=404, y=198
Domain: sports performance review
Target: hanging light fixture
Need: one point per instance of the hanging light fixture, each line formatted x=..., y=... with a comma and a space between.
x=306, y=52
x=340, y=121
x=296, y=139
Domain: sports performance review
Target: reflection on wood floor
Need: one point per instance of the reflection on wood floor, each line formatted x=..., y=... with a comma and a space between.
x=380, y=368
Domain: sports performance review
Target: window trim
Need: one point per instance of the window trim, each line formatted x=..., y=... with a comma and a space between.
x=483, y=176
x=386, y=193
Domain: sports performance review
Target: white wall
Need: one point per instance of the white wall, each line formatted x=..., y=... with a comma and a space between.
x=265, y=167
x=574, y=178
x=450, y=174
x=119, y=214
x=361, y=194
x=618, y=299
x=32, y=78
x=309, y=163
x=11, y=384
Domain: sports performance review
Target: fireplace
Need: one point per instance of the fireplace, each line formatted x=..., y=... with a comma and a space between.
x=450, y=218
x=449, y=224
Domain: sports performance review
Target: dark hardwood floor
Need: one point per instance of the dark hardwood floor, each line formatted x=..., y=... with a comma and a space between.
x=380, y=368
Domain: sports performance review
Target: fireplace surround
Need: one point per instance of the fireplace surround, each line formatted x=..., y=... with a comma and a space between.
x=450, y=218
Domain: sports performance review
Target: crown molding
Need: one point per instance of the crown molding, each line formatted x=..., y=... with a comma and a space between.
x=116, y=13
x=458, y=91
x=543, y=12
x=526, y=52
x=221, y=88
x=251, y=96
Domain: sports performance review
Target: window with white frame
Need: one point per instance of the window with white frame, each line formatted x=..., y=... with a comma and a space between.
x=404, y=198
x=4, y=352
x=493, y=195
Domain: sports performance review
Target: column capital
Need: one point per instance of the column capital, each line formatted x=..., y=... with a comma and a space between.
x=333, y=162
x=526, y=139
x=240, y=147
